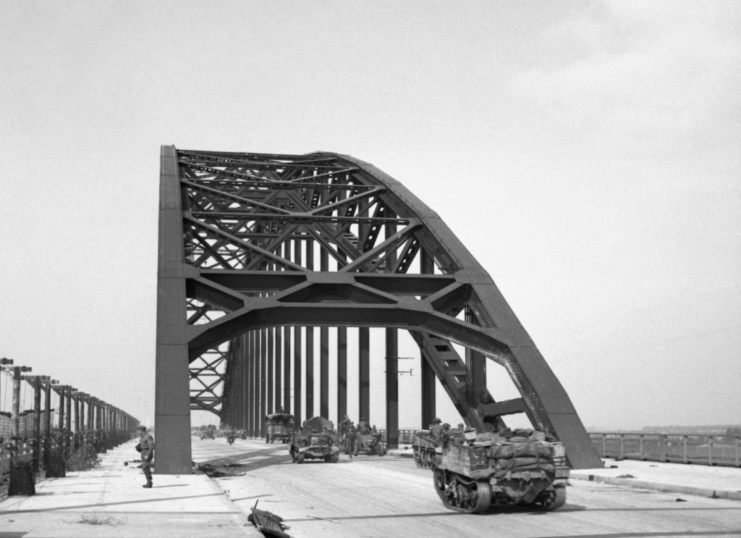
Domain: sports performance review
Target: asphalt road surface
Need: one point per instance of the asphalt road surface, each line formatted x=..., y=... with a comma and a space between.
x=372, y=496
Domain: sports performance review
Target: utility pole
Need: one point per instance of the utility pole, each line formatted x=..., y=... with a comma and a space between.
x=68, y=420
x=36, y=382
x=16, y=411
x=5, y=364
x=47, y=417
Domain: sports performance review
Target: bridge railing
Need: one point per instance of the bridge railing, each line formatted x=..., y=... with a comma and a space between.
x=405, y=436
x=724, y=450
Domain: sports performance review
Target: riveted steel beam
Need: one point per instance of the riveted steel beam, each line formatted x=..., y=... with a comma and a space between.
x=240, y=237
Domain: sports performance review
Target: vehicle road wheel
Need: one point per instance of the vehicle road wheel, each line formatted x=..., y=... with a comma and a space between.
x=556, y=499
x=438, y=477
x=483, y=496
x=300, y=458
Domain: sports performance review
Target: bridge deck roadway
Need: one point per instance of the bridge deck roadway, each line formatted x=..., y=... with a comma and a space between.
x=373, y=496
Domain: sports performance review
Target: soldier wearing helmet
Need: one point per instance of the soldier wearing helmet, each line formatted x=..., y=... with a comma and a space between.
x=146, y=447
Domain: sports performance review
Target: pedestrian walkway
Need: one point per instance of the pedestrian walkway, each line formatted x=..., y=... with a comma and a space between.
x=703, y=480
x=110, y=502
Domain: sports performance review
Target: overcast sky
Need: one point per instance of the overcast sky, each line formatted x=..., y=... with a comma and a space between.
x=587, y=153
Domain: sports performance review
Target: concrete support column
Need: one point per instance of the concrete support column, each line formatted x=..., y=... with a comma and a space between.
x=309, y=353
x=247, y=383
x=364, y=372
x=263, y=355
x=278, y=354
x=172, y=381
x=324, y=352
x=341, y=373
x=269, y=405
x=297, y=366
x=287, y=369
x=392, y=388
x=324, y=372
x=254, y=383
x=297, y=347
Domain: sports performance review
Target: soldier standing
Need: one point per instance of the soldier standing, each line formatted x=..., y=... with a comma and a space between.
x=350, y=440
x=436, y=428
x=146, y=447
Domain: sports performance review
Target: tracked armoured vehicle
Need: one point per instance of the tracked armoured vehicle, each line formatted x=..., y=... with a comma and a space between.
x=425, y=450
x=527, y=469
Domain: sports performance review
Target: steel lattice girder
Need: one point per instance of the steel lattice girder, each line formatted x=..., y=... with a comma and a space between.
x=227, y=222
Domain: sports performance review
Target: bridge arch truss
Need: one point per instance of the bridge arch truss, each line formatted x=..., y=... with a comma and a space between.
x=254, y=245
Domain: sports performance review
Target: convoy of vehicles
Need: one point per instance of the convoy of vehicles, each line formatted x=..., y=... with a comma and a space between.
x=471, y=471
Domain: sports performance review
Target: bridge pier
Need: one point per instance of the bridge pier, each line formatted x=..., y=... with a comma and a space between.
x=341, y=374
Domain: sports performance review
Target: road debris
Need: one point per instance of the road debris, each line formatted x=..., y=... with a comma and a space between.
x=268, y=523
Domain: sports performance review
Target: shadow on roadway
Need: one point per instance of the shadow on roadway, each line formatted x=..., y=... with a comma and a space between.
x=657, y=534
x=101, y=505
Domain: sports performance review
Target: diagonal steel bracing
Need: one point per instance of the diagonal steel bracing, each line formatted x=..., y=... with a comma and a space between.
x=241, y=238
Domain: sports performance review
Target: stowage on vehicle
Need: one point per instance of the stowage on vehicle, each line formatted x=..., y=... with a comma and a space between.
x=523, y=467
x=317, y=439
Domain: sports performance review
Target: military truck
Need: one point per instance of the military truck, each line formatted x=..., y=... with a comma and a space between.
x=279, y=426
x=527, y=469
x=317, y=439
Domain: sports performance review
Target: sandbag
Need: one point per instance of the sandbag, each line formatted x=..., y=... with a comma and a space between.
x=537, y=436
x=502, y=472
x=520, y=450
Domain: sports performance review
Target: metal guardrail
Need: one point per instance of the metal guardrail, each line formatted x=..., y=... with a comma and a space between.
x=723, y=450
x=405, y=436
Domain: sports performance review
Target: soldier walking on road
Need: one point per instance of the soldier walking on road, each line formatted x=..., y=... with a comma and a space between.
x=146, y=447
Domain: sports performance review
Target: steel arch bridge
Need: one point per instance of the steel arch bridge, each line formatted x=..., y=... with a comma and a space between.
x=253, y=247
